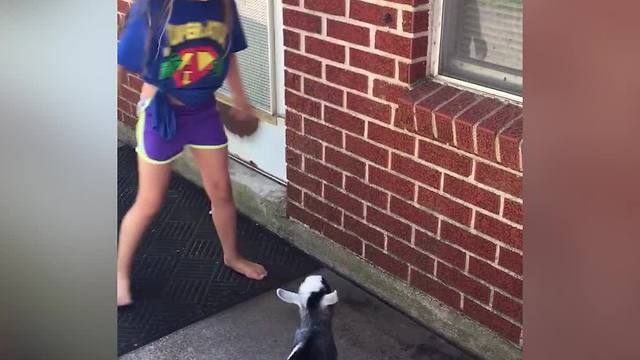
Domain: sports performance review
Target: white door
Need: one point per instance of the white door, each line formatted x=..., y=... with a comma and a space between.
x=262, y=71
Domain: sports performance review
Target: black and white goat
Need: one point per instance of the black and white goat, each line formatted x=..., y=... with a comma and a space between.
x=314, y=337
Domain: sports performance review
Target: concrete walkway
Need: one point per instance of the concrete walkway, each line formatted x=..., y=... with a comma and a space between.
x=262, y=329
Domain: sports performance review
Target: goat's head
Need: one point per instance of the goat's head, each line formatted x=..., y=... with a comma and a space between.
x=314, y=293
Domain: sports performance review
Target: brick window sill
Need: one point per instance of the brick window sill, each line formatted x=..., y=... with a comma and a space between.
x=476, y=124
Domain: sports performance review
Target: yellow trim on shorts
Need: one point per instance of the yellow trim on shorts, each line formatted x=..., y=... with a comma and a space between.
x=142, y=106
x=208, y=147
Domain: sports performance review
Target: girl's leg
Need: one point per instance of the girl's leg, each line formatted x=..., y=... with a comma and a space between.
x=152, y=184
x=214, y=167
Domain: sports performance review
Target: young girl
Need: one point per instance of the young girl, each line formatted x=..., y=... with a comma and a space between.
x=184, y=50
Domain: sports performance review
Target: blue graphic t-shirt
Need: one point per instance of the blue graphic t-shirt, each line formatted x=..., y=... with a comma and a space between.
x=189, y=60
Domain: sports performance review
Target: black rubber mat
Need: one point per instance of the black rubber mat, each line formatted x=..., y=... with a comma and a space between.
x=179, y=276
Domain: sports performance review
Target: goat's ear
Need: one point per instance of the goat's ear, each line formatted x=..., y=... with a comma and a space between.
x=299, y=352
x=330, y=299
x=288, y=296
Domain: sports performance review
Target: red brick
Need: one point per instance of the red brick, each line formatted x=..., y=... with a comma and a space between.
x=414, y=22
x=432, y=287
x=291, y=39
x=344, y=201
x=394, y=139
x=302, y=63
x=123, y=6
x=413, y=214
x=373, y=14
x=426, y=108
x=510, y=260
x=492, y=321
x=440, y=249
x=468, y=241
x=129, y=95
x=445, y=158
x=376, y=64
x=499, y=179
x=345, y=162
x=445, y=206
x=394, y=44
x=358, y=35
x=323, y=172
x=323, y=132
x=389, y=224
x=134, y=82
x=294, y=193
x=345, y=121
x=466, y=121
x=292, y=81
x=498, y=230
x=416, y=171
x=294, y=158
x=512, y=211
x=444, y=116
x=304, y=181
x=472, y=194
x=347, y=78
x=509, y=141
x=405, y=252
x=125, y=106
x=302, y=21
x=345, y=239
x=508, y=307
x=324, y=49
x=364, y=231
x=387, y=91
x=405, y=114
x=323, y=92
x=487, y=131
x=368, y=107
x=314, y=222
x=291, y=2
x=365, y=192
x=411, y=73
x=495, y=277
x=367, y=150
x=293, y=121
x=322, y=209
x=392, y=183
x=333, y=7
x=304, y=144
x=462, y=282
x=410, y=2
x=386, y=262
x=303, y=104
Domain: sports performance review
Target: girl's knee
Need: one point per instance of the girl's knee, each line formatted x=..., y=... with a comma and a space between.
x=148, y=206
x=220, y=192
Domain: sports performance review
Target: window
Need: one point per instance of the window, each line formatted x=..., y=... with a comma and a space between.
x=260, y=63
x=479, y=42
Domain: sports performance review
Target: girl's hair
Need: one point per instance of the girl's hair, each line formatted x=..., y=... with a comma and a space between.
x=157, y=24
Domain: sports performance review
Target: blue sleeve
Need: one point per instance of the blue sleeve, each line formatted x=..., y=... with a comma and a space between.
x=238, y=40
x=132, y=39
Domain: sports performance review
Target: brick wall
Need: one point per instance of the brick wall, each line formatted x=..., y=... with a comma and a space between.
x=424, y=183
x=129, y=84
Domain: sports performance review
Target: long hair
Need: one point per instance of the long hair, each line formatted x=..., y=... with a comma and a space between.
x=157, y=25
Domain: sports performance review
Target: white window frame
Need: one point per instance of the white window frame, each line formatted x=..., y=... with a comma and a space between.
x=437, y=16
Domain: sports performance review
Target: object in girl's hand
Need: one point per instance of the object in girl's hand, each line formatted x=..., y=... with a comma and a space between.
x=241, y=128
x=314, y=337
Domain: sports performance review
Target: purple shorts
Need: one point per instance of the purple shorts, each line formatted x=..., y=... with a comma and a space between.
x=196, y=127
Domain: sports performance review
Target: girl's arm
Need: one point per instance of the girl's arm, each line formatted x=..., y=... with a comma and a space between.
x=243, y=108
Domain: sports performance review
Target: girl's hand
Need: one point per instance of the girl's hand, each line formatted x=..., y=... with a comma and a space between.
x=243, y=111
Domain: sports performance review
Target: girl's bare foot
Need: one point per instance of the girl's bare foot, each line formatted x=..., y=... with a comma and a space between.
x=124, y=291
x=247, y=268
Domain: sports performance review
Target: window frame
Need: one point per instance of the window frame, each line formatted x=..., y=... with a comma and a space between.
x=437, y=19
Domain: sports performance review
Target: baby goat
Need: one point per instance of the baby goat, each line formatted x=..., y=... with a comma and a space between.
x=314, y=337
